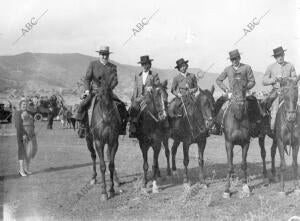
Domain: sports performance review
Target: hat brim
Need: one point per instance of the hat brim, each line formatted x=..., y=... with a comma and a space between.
x=187, y=61
x=101, y=52
x=274, y=55
x=145, y=62
x=238, y=56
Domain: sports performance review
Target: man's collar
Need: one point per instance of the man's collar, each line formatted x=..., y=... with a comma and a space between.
x=284, y=63
x=102, y=62
x=149, y=72
x=234, y=67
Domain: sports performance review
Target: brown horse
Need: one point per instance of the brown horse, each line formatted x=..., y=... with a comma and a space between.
x=236, y=129
x=287, y=129
x=201, y=112
x=104, y=129
x=150, y=130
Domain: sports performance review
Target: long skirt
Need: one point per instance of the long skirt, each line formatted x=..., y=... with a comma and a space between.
x=30, y=144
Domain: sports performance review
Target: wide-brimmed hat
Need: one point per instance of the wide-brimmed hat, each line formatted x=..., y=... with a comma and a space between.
x=103, y=50
x=278, y=51
x=180, y=62
x=145, y=59
x=234, y=54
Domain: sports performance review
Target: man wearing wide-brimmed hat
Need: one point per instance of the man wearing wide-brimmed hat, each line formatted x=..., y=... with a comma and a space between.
x=274, y=76
x=100, y=69
x=236, y=67
x=144, y=81
x=183, y=83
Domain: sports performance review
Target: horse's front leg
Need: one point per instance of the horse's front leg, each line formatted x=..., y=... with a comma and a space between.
x=295, y=168
x=156, y=150
x=100, y=149
x=273, y=153
x=282, y=165
x=174, y=151
x=229, y=151
x=246, y=190
x=201, y=147
x=144, y=148
x=261, y=141
x=112, y=148
x=89, y=142
x=186, y=160
x=167, y=153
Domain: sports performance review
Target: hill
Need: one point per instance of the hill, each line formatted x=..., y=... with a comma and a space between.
x=44, y=73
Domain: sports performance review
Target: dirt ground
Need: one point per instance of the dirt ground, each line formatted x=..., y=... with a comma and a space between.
x=58, y=189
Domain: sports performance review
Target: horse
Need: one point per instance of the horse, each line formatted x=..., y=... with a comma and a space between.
x=236, y=130
x=103, y=129
x=287, y=130
x=150, y=130
x=200, y=110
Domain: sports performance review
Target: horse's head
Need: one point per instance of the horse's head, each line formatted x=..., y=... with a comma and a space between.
x=290, y=96
x=157, y=99
x=104, y=92
x=238, y=100
x=207, y=102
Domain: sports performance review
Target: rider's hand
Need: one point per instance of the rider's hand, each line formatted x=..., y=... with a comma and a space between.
x=149, y=89
x=278, y=79
x=85, y=94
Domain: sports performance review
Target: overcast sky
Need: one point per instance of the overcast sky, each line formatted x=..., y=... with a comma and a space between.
x=201, y=31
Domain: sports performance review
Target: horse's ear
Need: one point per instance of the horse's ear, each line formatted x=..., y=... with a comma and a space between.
x=200, y=90
x=164, y=83
x=212, y=89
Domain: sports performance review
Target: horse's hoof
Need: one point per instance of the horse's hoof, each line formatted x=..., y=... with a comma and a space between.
x=155, y=190
x=186, y=186
x=104, y=197
x=175, y=174
x=282, y=194
x=111, y=194
x=154, y=187
x=204, y=186
x=226, y=195
x=93, y=181
x=297, y=192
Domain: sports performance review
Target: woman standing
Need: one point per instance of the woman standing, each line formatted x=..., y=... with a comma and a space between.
x=24, y=123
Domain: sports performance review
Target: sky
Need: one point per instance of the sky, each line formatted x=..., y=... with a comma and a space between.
x=200, y=31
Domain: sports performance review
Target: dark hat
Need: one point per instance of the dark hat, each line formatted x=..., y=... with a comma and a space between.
x=180, y=62
x=145, y=59
x=103, y=50
x=278, y=51
x=234, y=54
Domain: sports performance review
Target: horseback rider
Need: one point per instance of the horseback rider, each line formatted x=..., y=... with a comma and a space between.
x=274, y=76
x=235, y=68
x=97, y=70
x=144, y=81
x=184, y=83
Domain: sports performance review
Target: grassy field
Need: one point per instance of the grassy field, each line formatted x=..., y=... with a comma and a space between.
x=58, y=189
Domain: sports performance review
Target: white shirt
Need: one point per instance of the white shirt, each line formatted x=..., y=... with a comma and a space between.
x=183, y=74
x=145, y=75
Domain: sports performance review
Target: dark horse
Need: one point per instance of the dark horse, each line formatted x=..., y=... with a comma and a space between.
x=104, y=129
x=200, y=113
x=287, y=129
x=236, y=129
x=150, y=129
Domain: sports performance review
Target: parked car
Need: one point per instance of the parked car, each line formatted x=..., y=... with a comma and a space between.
x=5, y=112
